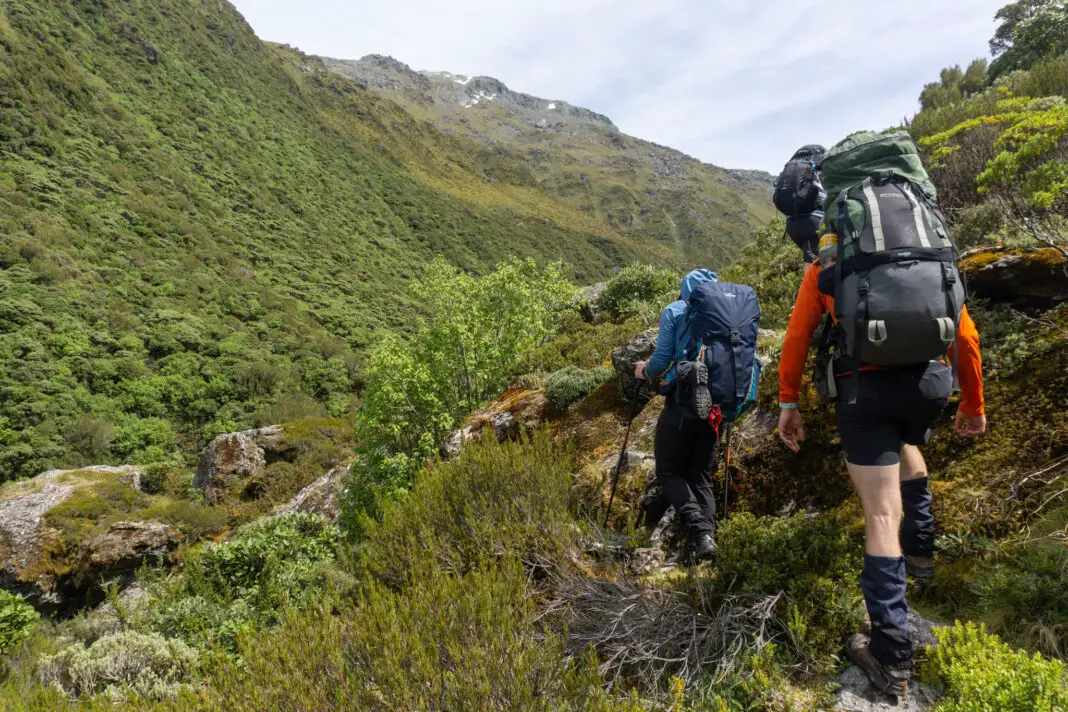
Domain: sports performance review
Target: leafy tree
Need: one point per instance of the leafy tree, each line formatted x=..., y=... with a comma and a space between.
x=474, y=333
x=954, y=84
x=1029, y=31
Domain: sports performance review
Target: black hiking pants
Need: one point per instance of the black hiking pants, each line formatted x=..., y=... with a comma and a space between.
x=685, y=452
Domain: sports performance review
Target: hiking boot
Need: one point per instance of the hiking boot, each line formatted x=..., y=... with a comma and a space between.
x=920, y=568
x=704, y=548
x=889, y=680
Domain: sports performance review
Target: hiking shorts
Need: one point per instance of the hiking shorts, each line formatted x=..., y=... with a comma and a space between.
x=892, y=407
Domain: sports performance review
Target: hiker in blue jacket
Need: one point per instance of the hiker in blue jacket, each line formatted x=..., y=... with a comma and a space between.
x=685, y=450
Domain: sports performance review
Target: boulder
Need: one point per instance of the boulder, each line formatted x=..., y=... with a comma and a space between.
x=320, y=497
x=236, y=456
x=121, y=550
x=626, y=357
x=517, y=411
x=28, y=543
x=1023, y=276
x=588, y=301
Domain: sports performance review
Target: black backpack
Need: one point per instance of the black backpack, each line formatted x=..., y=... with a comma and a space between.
x=797, y=189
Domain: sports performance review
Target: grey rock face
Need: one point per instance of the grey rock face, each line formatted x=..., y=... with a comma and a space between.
x=21, y=522
x=587, y=300
x=235, y=456
x=24, y=530
x=118, y=552
x=859, y=695
x=626, y=357
x=320, y=497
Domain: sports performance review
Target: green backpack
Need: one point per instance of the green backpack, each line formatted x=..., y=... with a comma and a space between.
x=898, y=293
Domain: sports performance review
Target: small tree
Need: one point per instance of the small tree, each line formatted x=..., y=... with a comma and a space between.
x=474, y=332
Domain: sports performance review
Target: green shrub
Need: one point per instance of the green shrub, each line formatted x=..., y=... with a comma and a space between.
x=290, y=540
x=492, y=499
x=440, y=642
x=579, y=344
x=567, y=385
x=812, y=559
x=476, y=331
x=17, y=620
x=638, y=285
x=982, y=673
x=244, y=583
x=155, y=477
x=122, y=664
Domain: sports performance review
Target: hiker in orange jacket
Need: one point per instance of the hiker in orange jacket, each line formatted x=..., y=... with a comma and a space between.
x=887, y=414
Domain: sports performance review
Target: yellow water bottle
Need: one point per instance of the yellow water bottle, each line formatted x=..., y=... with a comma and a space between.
x=828, y=249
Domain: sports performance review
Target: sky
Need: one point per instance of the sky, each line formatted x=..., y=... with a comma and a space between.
x=738, y=84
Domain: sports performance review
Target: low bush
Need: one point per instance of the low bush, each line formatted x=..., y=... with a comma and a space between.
x=441, y=642
x=244, y=583
x=493, y=499
x=579, y=344
x=812, y=559
x=17, y=620
x=122, y=665
x=980, y=672
x=567, y=385
x=636, y=286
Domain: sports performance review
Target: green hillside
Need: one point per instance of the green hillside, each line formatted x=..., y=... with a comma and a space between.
x=691, y=209
x=200, y=231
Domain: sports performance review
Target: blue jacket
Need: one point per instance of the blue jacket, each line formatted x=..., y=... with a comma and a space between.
x=674, y=334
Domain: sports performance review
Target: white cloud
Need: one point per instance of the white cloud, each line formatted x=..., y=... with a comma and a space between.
x=736, y=84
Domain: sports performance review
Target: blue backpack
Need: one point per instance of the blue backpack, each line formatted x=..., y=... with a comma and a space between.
x=719, y=367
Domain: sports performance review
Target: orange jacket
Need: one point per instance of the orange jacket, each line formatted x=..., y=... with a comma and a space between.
x=808, y=311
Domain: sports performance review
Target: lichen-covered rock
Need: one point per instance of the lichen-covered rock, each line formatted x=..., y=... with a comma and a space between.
x=1007, y=274
x=626, y=357
x=589, y=306
x=517, y=411
x=320, y=497
x=25, y=534
x=118, y=552
x=236, y=456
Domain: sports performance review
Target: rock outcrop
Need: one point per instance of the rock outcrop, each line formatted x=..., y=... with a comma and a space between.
x=33, y=559
x=589, y=302
x=1023, y=276
x=517, y=411
x=320, y=497
x=236, y=456
x=626, y=357
x=117, y=553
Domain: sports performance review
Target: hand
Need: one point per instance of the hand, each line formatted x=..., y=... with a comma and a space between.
x=791, y=430
x=639, y=371
x=969, y=426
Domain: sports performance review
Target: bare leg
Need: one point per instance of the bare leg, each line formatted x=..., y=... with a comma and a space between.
x=883, y=578
x=912, y=465
x=880, y=494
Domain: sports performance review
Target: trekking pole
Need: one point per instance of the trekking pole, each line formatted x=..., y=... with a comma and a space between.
x=727, y=469
x=623, y=451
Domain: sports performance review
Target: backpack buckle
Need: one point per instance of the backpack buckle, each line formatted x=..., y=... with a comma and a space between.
x=736, y=337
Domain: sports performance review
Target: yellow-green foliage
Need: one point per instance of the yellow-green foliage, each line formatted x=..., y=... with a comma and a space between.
x=812, y=559
x=578, y=343
x=981, y=673
x=636, y=286
x=492, y=498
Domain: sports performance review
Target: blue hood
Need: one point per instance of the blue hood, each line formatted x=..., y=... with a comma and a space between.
x=694, y=279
